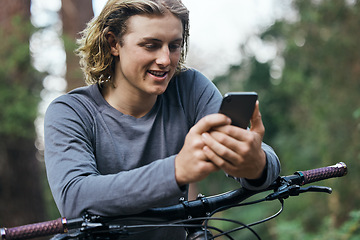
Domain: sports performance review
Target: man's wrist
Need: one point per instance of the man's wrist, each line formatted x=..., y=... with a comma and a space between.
x=261, y=180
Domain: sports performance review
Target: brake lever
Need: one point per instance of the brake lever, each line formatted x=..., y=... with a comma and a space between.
x=295, y=190
x=316, y=189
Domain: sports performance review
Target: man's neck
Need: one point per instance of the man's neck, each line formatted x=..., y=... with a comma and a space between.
x=127, y=102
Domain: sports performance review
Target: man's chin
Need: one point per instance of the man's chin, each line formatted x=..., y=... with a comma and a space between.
x=159, y=90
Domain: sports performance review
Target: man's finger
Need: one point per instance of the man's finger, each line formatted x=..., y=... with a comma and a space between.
x=211, y=121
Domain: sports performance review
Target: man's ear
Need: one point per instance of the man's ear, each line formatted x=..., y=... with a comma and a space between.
x=111, y=38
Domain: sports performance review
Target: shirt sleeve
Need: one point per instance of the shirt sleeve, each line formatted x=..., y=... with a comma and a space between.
x=78, y=186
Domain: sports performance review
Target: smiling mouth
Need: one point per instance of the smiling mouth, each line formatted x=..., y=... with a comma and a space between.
x=157, y=73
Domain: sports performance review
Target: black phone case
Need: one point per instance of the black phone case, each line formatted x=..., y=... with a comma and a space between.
x=239, y=106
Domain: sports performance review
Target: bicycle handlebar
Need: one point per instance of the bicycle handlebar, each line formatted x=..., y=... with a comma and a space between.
x=203, y=206
x=35, y=230
x=315, y=175
x=60, y=225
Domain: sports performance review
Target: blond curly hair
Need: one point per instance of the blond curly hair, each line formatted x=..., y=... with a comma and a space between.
x=96, y=60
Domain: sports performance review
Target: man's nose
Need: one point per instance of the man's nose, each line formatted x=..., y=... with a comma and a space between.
x=163, y=58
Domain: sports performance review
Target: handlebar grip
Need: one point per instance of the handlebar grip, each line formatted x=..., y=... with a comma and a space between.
x=314, y=175
x=35, y=230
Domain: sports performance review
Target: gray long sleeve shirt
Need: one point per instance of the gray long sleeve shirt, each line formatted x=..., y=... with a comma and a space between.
x=101, y=161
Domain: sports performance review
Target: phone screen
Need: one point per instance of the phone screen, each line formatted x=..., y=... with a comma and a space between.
x=239, y=106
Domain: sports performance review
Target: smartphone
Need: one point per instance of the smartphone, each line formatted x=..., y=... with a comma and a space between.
x=239, y=106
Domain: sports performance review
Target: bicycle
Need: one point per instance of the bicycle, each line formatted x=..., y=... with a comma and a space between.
x=193, y=215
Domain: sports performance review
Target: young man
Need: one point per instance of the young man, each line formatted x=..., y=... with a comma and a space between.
x=145, y=127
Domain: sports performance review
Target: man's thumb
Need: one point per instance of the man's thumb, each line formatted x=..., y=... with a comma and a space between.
x=256, y=121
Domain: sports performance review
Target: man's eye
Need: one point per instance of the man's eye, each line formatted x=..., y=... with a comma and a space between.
x=150, y=46
x=174, y=47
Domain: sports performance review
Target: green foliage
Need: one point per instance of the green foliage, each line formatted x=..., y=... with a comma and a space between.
x=294, y=229
x=323, y=78
x=18, y=111
x=312, y=112
x=350, y=230
x=20, y=84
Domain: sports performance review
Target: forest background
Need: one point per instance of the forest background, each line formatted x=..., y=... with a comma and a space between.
x=309, y=100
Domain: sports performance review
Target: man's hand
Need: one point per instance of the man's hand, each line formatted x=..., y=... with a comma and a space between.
x=192, y=164
x=235, y=150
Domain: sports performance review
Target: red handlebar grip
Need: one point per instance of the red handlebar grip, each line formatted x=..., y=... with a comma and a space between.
x=36, y=230
x=314, y=175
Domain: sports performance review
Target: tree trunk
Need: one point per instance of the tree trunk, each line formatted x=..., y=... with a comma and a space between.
x=21, y=192
x=75, y=15
x=21, y=189
x=11, y=8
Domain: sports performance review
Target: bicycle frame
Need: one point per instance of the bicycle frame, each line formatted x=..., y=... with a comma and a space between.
x=192, y=215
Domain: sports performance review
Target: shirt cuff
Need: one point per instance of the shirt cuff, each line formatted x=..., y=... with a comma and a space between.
x=262, y=179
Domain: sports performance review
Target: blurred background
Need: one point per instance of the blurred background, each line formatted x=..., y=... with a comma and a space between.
x=302, y=57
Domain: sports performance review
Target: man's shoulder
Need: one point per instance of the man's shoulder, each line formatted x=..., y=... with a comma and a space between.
x=188, y=80
x=190, y=74
x=80, y=101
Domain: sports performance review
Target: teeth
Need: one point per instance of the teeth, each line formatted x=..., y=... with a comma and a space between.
x=157, y=74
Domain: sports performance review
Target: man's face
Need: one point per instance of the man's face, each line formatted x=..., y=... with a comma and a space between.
x=149, y=53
